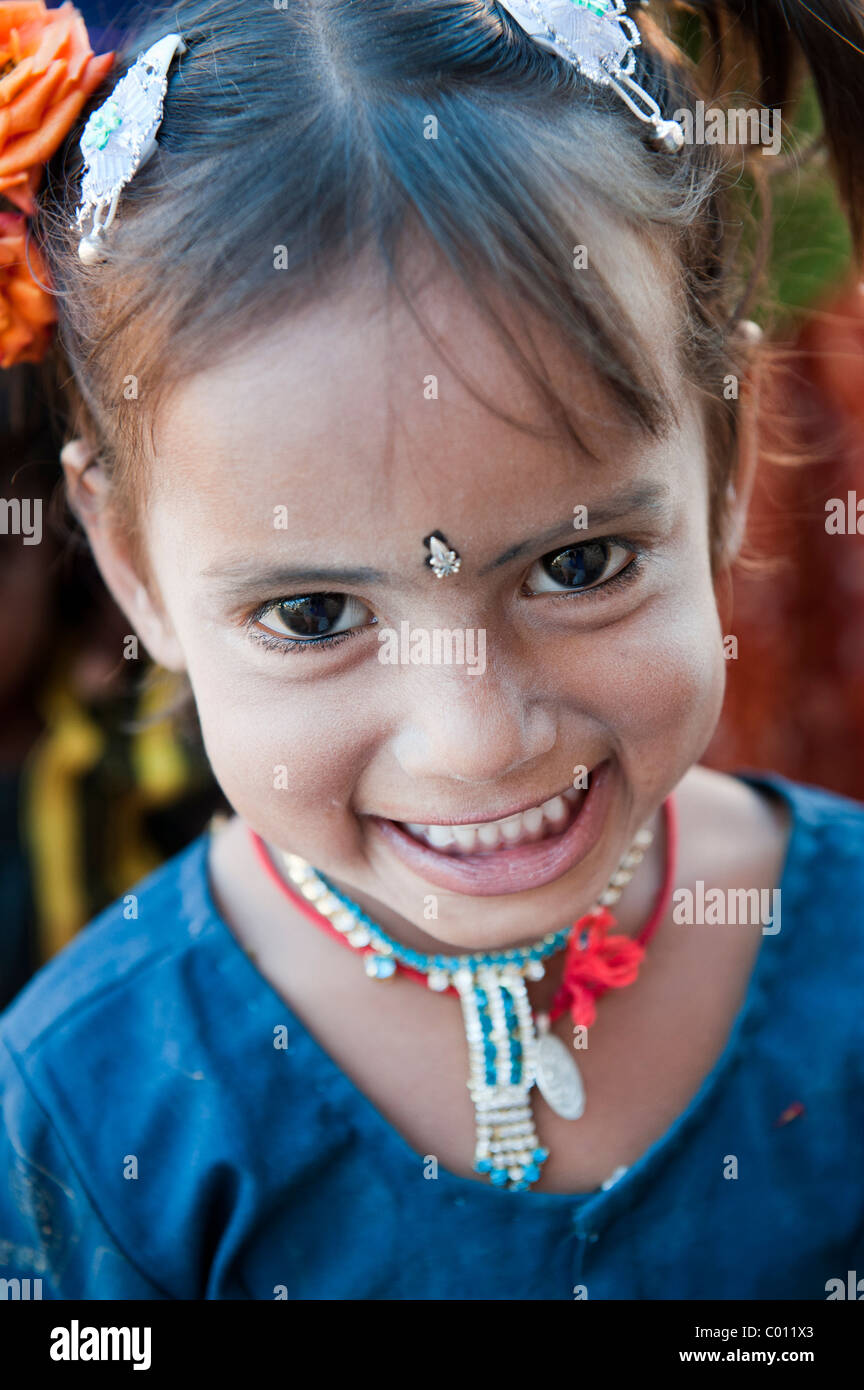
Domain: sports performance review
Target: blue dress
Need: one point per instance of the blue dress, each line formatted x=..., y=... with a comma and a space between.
x=156, y=1145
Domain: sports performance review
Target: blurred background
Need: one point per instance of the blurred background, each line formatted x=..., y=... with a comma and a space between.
x=96, y=789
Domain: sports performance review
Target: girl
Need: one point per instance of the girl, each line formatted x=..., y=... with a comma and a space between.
x=405, y=432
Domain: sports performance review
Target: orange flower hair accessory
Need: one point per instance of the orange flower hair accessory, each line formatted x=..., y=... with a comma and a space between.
x=27, y=313
x=47, y=72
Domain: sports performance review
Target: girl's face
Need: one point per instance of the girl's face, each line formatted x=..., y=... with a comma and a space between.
x=292, y=490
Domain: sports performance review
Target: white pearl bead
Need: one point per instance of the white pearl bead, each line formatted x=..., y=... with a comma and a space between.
x=313, y=889
x=668, y=137
x=89, y=252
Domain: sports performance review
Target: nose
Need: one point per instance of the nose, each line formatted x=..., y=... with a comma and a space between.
x=470, y=728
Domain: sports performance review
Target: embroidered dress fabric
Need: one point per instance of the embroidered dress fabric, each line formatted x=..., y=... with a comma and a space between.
x=146, y=1048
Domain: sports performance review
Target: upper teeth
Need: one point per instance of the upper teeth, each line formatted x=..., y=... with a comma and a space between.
x=524, y=825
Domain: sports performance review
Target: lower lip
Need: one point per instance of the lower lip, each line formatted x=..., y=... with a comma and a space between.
x=508, y=870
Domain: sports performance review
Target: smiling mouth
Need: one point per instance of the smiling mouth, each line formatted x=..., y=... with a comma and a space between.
x=512, y=854
x=546, y=821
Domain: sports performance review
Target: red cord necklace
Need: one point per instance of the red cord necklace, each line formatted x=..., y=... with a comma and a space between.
x=509, y=1048
x=595, y=961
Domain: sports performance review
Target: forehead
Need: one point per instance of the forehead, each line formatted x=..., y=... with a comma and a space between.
x=349, y=401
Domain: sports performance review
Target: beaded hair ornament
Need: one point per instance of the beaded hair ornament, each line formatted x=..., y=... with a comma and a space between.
x=119, y=138
x=599, y=38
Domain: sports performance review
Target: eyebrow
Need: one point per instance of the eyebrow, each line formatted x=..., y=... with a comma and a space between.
x=273, y=576
x=645, y=497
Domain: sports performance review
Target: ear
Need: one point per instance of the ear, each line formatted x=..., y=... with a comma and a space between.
x=89, y=493
x=740, y=488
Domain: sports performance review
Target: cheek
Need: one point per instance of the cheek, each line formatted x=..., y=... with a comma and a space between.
x=285, y=754
x=663, y=687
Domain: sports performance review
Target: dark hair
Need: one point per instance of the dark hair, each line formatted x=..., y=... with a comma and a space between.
x=302, y=125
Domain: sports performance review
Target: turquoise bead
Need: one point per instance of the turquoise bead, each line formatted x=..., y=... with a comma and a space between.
x=100, y=126
x=597, y=7
x=403, y=954
x=383, y=967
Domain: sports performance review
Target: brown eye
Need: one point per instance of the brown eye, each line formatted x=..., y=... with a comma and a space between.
x=312, y=617
x=579, y=567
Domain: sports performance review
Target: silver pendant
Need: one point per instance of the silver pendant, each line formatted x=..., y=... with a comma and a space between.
x=499, y=1029
x=559, y=1079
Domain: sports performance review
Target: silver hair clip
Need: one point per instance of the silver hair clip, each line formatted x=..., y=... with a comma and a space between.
x=119, y=137
x=599, y=38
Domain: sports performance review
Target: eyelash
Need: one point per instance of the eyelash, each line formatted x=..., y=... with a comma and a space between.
x=628, y=575
x=291, y=644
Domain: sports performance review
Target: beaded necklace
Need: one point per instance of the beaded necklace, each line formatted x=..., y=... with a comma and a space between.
x=509, y=1049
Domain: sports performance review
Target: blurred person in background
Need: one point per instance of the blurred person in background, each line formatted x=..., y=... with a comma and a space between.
x=94, y=792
